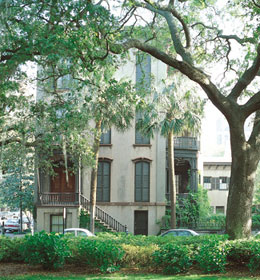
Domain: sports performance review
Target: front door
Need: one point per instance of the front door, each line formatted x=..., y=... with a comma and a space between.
x=141, y=223
x=59, y=184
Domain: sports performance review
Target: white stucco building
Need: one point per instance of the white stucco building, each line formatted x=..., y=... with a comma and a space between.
x=132, y=174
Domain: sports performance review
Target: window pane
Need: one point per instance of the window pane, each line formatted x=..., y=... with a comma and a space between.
x=142, y=181
x=106, y=167
x=57, y=223
x=139, y=137
x=138, y=194
x=138, y=182
x=145, y=168
x=103, y=182
x=106, y=137
x=138, y=169
x=220, y=209
x=145, y=193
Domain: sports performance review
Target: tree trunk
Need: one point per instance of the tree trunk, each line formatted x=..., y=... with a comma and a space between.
x=241, y=189
x=172, y=179
x=93, y=183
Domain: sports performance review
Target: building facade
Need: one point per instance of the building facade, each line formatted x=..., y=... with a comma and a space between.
x=132, y=174
x=216, y=178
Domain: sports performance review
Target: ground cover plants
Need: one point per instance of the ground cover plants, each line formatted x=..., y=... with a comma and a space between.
x=108, y=253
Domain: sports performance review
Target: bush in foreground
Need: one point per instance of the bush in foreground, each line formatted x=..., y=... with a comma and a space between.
x=47, y=249
x=94, y=253
x=10, y=249
x=173, y=258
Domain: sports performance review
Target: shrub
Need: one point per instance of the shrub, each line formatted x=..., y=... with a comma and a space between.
x=212, y=257
x=238, y=252
x=104, y=255
x=140, y=256
x=46, y=249
x=173, y=258
x=10, y=249
x=256, y=222
x=245, y=252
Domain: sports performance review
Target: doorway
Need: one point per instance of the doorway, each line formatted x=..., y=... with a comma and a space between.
x=141, y=222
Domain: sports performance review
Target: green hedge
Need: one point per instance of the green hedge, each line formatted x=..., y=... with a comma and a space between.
x=46, y=249
x=10, y=249
x=108, y=252
x=104, y=255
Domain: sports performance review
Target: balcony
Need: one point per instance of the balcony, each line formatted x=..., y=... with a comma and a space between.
x=187, y=143
x=58, y=199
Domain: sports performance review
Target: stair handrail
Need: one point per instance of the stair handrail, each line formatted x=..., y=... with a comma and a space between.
x=103, y=216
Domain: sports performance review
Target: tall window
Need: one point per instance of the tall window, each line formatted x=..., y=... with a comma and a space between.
x=56, y=223
x=143, y=71
x=142, y=181
x=105, y=137
x=103, y=181
x=143, y=82
x=139, y=137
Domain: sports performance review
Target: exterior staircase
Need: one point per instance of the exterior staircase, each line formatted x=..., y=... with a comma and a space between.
x=102, y=217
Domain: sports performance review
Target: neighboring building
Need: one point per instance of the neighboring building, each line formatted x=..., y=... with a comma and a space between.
x=132, y=175
x=216, y=178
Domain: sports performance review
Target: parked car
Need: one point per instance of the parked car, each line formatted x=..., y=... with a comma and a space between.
x=179, y=232
x=78, y=232
x=13, y=225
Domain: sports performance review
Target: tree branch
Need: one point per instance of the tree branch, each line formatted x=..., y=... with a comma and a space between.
x=257, y=5
x=252, y=105
x=254, y=137
x=227, y=37
x=169, y=13
x=247, y=77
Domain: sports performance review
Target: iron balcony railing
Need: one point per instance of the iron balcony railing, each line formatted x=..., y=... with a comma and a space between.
x=103, y=216
x=187, y=143
x=56, y=199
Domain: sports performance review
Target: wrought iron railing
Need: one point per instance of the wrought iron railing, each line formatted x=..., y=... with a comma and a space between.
x=189, y=143
x=103, y=216
x=55, y=199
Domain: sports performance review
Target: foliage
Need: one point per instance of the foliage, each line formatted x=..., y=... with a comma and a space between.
x=256, y=222
x=108, y=252
x=194, y=207
x=17, y=189
x=95, y=253
x=257, y=187
x=245, y=253
x=173, y=258
x=10, y=249
x=47, y=249
x=138, y=256
x=211, y=257
x=191, y=210
x=176, y=109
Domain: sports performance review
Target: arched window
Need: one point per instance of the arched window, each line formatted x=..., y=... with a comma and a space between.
x=103, y=181
x=142, y=181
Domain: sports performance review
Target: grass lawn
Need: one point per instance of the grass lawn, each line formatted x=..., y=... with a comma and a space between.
x=122, y=276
